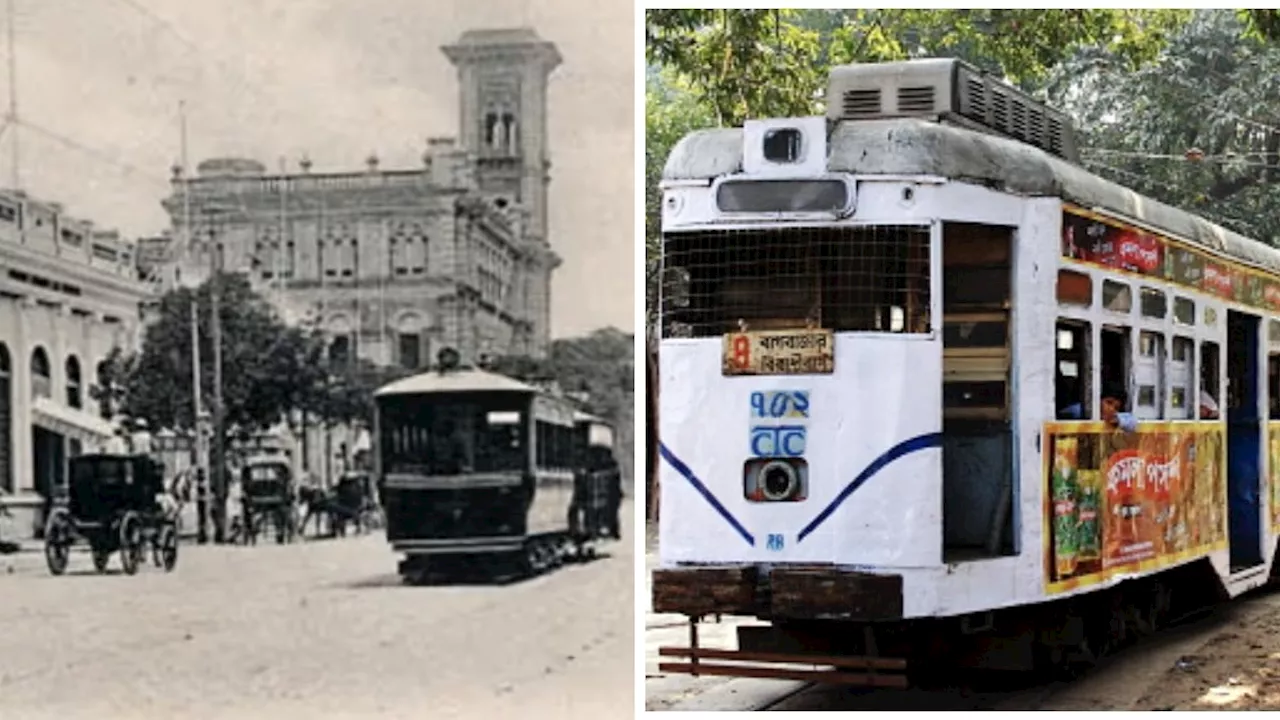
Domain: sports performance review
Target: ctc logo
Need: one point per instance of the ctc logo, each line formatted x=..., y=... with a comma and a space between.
x=778, y=441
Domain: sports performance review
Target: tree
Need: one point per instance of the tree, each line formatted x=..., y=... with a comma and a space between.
x=671, y=111
x=341, y=392
x=265, y=364
x=1199, y=128
x=774, y=63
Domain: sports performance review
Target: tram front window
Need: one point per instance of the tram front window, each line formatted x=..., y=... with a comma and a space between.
x=872, y=279
x=451, y=439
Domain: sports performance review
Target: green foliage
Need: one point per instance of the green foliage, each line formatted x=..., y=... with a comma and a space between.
x=1261, y=23
x=740, y=63
x=1216, y=89
x=671, y=111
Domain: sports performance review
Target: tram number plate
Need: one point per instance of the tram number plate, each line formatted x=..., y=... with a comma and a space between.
x=780, y=352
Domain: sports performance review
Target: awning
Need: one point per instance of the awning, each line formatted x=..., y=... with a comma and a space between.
x=69, y=421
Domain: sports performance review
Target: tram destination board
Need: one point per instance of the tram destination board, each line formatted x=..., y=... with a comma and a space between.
x=780, y=352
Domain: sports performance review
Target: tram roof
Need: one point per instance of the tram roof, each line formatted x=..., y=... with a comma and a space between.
x=454, y=381
x=579, y=417
x=912, y=146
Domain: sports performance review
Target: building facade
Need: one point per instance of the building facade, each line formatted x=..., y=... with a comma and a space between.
x=69, y=294
x=395, y=264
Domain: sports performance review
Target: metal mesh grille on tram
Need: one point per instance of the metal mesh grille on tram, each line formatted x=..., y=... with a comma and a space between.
x=868, y=279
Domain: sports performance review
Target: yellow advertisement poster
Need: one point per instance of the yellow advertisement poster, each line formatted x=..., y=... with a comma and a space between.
x=1273, y=448
x=1121, y=502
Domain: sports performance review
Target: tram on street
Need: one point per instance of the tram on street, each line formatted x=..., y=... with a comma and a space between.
x=935, y=396
x=477, y=472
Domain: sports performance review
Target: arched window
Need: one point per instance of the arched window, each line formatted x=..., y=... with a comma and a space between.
x=512, y=133
x=340, y=350
x=41, y=381
x=409, y=341
x=73, y=383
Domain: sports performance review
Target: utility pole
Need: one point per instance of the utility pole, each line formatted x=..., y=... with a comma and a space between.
x=219, y=447
x=11, y=119
x=200, y=419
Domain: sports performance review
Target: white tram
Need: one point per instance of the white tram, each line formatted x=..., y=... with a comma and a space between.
x=887, y=335
x=475, y=465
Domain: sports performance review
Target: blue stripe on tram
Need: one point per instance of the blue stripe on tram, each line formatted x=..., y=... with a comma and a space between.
x=685, y=472
x=906, y=447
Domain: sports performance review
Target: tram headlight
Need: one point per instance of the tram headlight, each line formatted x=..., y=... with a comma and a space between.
x=776, y=479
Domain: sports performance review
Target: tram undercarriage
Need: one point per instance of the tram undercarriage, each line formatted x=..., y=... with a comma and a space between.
x=834, y=627
x=499, y=559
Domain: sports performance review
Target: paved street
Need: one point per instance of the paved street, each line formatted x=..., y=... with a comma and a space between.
x=319, y=630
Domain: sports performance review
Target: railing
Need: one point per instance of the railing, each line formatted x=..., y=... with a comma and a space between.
x=300, y=183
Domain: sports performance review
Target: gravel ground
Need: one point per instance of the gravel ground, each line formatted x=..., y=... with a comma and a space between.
x=318, y=630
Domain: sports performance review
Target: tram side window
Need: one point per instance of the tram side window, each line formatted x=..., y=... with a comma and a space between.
x=1153, y=303
x=1117, y=296
x=1148, y=371
x=1273, y=370
x=543, y=453
x=1074, y=288
x=1115, y=363
x=1210, y=387
x=1071, y=373
x=1273, y=385
x=555, y=446
x=1184, y=311
x=1181, y=371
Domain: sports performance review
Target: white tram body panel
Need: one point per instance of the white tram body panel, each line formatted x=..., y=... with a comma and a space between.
x=894, y=513
x=871, y=429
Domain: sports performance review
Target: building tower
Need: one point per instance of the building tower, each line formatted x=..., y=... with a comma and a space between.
x=502, y=77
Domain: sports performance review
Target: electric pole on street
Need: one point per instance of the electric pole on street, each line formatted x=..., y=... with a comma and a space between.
x=218, y=471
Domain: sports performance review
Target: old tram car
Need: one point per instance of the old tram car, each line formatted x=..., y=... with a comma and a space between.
x=476, y=472
x=886, y=339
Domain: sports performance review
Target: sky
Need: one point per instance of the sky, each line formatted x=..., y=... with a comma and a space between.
x=99, y=84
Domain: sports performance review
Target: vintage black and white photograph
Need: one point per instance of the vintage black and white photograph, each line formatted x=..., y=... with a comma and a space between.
x=317, y=359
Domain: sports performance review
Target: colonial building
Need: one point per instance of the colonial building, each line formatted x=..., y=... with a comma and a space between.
x=69, y=293
x=395, y=264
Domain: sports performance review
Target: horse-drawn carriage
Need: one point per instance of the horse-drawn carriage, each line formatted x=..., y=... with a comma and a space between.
x=267, y=496
x=112, y=503
x=354, y=501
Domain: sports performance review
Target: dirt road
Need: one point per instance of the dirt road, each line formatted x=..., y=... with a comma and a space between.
x=316, y=630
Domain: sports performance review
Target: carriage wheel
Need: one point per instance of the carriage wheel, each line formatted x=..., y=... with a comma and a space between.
x=57, y=542
x=130, y=543
x=168, y=547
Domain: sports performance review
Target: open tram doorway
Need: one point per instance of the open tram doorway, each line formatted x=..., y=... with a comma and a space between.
x=979, y=495
x=1244, y=442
